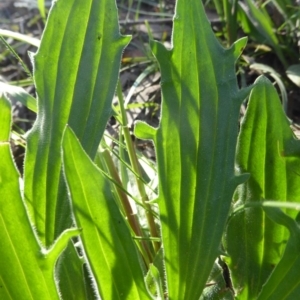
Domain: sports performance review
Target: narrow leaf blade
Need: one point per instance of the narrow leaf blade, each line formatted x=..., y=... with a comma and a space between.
x=108, y=244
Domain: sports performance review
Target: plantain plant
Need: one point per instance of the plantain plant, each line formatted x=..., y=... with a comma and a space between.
x=224, y=223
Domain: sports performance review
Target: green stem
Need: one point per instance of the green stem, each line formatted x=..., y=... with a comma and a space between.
x=136, y=168
x=131, y=216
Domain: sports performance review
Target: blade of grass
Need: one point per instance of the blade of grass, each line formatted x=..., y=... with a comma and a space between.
x=20, y=37
x=135, y=166
x=14, y=53
x=125, y=204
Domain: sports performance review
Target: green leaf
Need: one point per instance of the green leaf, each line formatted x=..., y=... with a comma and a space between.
x=26, y=268
x=267, y=69
x=154, y=283
x=254, y=242
x=75, y=71
x=106, y=238
x=262, y=23
x=41, y=6
x=284, y=282
x=195, y=146
x=70, y=271
x=15, y=93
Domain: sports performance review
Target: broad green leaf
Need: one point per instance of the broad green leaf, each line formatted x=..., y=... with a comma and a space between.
x=195, y=147
x=106, y=238
x=75, y=71
x=254, y=242
x=26, y=268
x=284, y=282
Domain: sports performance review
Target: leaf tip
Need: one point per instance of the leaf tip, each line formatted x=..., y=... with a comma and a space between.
x=238, y=47
x=144, y=131
x=159, y=49
x=239, y=179
x=61, y=243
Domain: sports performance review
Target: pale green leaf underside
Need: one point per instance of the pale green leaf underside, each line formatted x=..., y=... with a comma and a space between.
x=20, y=37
